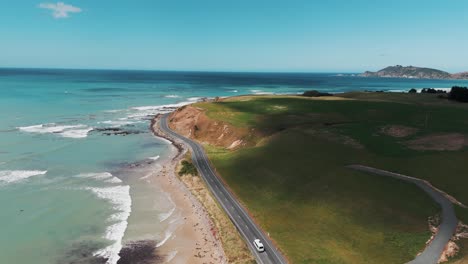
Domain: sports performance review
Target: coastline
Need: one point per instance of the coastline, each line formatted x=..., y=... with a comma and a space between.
x=194, y=240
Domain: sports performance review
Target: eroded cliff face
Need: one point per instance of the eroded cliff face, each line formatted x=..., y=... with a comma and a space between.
x=192, y=122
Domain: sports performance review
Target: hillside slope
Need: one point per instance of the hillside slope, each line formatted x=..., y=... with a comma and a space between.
x=399, y=71
x=290, y=170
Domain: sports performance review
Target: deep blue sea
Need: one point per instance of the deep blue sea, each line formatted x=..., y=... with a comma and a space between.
x=72, y=141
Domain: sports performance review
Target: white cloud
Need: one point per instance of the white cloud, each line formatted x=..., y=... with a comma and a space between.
x=60, y=9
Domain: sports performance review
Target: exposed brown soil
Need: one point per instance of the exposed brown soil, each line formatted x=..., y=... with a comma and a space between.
x=192, y=122
x=398, y=131
x=449, y=141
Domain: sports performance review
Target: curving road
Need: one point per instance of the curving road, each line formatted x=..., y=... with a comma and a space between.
x=432, y=252
x=247, y=228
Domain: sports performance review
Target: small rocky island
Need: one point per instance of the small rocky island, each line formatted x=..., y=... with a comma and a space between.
x=399, y=71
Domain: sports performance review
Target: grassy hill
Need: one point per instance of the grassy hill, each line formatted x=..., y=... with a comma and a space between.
x=291, y=175
x=399, y=71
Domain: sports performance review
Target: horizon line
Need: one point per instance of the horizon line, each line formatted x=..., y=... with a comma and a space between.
x=176, y=70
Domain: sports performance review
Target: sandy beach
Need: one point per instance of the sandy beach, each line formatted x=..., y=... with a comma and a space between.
x=194, y=240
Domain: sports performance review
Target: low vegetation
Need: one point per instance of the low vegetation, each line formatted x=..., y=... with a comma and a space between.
x=187, y=168
x=293, y=179
x=234, y=246
x=315, y=93
x=459, y=94
x=433, y=91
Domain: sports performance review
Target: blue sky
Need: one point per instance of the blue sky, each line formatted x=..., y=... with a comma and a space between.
x=241, y=35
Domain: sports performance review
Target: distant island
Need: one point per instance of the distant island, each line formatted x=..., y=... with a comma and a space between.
x=399, y=71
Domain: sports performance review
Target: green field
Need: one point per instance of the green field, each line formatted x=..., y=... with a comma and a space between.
x=292, y=177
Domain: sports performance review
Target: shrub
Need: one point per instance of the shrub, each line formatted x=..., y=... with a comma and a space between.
x=459, y=94
x=432, y=91
x=412, y=91
x=315, y=93
x=188, y=168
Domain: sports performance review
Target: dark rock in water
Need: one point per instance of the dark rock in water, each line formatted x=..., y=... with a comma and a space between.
x=140, y=252
x=82, y=253
x=137, y=252
x=129, y=165
x=152, y=145
x=139, y=163
x=111, y=131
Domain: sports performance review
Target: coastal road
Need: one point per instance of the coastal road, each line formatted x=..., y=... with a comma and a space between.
x=447, y=228
x=238, y=215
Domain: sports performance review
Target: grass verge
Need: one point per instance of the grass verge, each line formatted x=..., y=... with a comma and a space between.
x=234, y=246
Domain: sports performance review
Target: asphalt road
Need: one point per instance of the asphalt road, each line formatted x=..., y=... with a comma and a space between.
x=447, y=228
x=247, y=228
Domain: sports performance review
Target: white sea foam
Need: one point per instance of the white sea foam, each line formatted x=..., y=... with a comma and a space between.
x=164, y=216
x=167, y=235
x=418, y=90
x=101, y=176
x=194, y=99
x=171, y=255
x=114, y=111
x=398, y=91
x=76, y=133
x=69, y=131
x=260, y=92
x=118, y=123
x=119, y=197
x=172, y=96
x=10, y=176
x=175, y=220
x=143, y=112
x=154, y=158
x=234, y=91
x=47, y=128
x=160, y=107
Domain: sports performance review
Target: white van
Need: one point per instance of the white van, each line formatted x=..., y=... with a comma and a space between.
x=258, y=245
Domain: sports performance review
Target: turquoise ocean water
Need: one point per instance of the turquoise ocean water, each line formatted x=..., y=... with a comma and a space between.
x=76, y=153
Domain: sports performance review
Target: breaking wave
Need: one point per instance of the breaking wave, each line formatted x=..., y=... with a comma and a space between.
x=118, y=123
x=260, y=92
x=119, y=197
x=11, y=176
x=68, y=131
x=101, y=176
x=154, y=158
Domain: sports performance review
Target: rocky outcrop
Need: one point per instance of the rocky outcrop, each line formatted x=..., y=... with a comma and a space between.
x=399, y=71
